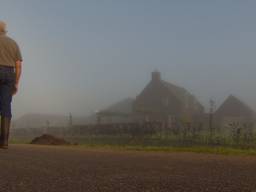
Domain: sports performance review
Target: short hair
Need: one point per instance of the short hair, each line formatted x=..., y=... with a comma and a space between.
x=3, y=26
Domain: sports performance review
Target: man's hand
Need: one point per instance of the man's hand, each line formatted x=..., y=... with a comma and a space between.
x=17, y=78
x=15, y=89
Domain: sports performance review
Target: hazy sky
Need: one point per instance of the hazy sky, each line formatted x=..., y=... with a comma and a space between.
x=80, y=56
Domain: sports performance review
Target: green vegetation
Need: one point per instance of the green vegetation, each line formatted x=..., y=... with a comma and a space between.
x=216, y=145
x=166, y=141
x=194, y=149
x=201, y=142
x=153, y=145
x=198, y=149
x=20, y=141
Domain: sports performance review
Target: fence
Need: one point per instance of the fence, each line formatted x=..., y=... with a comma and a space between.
x=151, y=133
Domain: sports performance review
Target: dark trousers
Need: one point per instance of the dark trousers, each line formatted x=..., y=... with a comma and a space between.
x=7, y=86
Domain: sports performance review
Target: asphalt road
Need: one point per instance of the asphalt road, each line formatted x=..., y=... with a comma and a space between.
x=41, y=169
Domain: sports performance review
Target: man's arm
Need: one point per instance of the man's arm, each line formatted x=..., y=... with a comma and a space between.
x=18, y=69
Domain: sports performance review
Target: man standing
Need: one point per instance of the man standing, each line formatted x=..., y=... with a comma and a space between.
x=10, y=71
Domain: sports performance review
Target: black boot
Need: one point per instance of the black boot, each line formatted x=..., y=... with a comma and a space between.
x=5, y=128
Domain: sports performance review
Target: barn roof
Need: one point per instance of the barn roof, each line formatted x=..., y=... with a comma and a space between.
x=233, y=107
x=181, y=93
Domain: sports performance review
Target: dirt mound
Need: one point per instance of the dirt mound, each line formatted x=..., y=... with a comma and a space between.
x=49, y=140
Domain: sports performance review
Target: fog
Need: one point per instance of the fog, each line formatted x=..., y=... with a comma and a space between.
x=82, y=56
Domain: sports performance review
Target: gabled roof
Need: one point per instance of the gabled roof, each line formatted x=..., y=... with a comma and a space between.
x=180, y=92
x=122, y=107
x=178, y=99
x=233, y=107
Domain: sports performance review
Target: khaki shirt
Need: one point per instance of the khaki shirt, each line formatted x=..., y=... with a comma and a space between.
x=9, y=51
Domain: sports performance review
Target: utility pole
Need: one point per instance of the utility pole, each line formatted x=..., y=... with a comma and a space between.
x=212, y=104
x=70, y=120
x=47, y=127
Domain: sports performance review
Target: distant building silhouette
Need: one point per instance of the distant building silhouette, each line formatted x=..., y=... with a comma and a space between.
x=163, y=101
x=231, y=111
x=120, y=112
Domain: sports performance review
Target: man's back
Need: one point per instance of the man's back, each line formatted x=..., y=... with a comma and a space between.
x=10, y=70
x=9, y=51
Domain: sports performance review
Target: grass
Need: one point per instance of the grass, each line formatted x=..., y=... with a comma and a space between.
x=192, y=149
x=20, y=141
x=169, y=144
x=169, y=149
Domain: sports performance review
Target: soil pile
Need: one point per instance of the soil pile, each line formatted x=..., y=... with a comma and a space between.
x=49, y=140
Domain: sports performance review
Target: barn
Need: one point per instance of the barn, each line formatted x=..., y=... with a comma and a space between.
x=233, y=112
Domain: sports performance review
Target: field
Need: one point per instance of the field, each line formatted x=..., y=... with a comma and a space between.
x=74, y=169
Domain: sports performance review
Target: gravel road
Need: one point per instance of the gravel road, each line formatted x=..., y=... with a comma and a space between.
x=52, y=169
